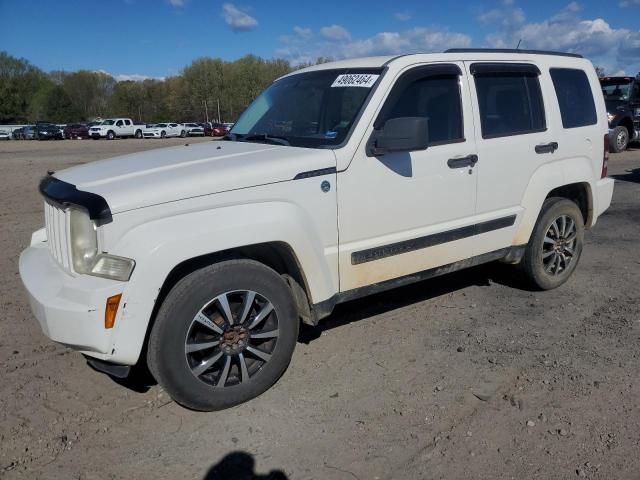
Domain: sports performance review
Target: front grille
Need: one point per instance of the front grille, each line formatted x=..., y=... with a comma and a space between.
x=57, y=225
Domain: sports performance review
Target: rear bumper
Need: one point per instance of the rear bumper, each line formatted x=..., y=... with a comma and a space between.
x=70, y=310
x=602, y=195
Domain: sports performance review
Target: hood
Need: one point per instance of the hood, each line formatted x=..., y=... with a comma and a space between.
x=170, y=174
x=614, y=106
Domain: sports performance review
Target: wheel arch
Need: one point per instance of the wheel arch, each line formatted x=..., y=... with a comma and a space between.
x=571, y=179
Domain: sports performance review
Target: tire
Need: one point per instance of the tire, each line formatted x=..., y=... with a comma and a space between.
x=183, y=134
x=163, y=134
x=138, y=134
x=111, y=135
x=619, y=139
x=550, y=259
x=186, y=375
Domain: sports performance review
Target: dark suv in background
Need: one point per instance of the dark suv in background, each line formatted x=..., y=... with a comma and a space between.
x=76, y=130
x=622, y=96
x=48, y=131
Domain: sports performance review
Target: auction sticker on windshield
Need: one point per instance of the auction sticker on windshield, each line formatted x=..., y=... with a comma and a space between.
x=355, y=80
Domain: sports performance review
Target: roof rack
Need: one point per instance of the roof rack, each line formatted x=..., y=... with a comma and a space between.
x=511, y=50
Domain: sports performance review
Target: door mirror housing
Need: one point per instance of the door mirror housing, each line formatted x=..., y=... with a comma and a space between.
x=402, y=134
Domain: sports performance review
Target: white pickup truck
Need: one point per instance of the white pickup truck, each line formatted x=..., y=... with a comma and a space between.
x=340, y=180
x=112, y=128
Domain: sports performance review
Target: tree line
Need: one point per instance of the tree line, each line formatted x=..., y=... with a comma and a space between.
x=208, y=89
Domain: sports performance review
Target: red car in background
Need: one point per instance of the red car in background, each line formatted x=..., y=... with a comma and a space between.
x=215, y=130
x=76, y=130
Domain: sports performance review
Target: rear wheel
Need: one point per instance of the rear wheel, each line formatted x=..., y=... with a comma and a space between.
x=554, y=249
x=619, y=139
x=223, y=335
x=138, y=134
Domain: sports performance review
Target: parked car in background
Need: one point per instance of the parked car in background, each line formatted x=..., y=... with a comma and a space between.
x=622, y=97
x=215, y=130
x=17, y=133
x=193, y=129
x=228, y=125
x=5, y=135
x=48, y=131
x=76, y=131
x=29, y=132
x=163, y=130
x=112, y=128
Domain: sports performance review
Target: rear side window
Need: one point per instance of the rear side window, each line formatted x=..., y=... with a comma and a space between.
x=577, y=107
x=510, y=103
x=434, y=96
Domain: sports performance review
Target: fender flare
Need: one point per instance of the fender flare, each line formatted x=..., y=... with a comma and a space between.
x=186, y=236
x=547, y=178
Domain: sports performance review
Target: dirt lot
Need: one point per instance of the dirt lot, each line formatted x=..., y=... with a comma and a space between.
x=466, y=376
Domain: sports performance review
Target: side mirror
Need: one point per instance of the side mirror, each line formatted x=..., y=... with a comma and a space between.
x=403, y=134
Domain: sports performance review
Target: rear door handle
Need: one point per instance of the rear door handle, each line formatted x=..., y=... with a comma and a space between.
x=462, y=162
x=547, y=147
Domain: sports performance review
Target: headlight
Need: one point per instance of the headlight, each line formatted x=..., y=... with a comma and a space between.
x=84, y=240
x=84, y=251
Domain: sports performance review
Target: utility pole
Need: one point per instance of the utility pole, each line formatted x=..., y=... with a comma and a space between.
x=219, y=119
x=206, y=111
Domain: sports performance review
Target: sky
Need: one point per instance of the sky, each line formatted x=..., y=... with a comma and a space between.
x=137, y=39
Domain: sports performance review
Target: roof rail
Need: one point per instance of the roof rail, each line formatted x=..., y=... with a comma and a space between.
x=511, y=50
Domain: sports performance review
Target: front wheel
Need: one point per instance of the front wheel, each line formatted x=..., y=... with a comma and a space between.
x=224, y=335
x=163, y=134
x=110, y=135
x=554, y=249
x=183, y=134
x=619, y=139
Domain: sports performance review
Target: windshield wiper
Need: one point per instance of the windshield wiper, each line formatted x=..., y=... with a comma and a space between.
x=263, y=137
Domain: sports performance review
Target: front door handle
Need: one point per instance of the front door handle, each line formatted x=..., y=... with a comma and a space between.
x=547, y=147
x=463, y=162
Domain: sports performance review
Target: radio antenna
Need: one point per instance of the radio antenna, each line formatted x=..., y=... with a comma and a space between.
x=518, y=46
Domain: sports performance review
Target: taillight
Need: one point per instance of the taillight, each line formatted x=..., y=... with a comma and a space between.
x=605, y=157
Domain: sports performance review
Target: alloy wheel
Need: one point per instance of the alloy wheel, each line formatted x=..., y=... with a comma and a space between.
x=231, y=338
x=559, y=245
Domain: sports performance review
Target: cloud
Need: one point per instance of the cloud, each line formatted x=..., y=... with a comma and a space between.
x=238, y=20
x=302, y=32
x=403, y=16
x=611, y=48
x=422, y=39
x=177, y=3
x=335, y=33
x=135, y=77
x=629, y=3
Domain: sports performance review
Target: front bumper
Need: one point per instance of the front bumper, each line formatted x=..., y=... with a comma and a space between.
x=70, y=309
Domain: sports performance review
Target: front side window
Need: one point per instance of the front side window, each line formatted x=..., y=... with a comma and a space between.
x=314, y=109
x=435, y=96
x=119, y=123
x=575, y=99
x=510, y=102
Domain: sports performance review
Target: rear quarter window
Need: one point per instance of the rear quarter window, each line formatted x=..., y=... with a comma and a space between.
x=575, y=97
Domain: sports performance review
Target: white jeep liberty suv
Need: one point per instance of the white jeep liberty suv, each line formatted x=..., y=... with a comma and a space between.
x=340, y=180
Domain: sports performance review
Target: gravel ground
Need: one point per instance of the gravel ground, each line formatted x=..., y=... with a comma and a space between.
x=465, y=376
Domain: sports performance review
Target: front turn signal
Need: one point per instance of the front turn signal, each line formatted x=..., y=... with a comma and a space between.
x=111, y=310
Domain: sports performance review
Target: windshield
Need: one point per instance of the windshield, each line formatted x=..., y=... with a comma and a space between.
x=108, y=122
x=616, y=89
x=160, y=125
x=312, y=109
